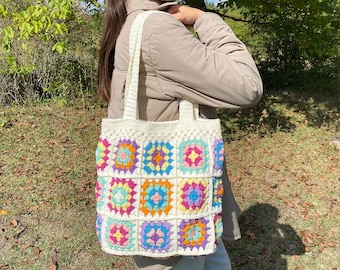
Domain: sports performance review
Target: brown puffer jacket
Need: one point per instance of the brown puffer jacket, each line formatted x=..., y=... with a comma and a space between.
x=214, y=70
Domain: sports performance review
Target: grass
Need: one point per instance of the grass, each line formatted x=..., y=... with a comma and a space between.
x=283, y=167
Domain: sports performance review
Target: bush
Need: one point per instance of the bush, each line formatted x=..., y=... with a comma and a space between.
x=298, y=38
x=41, y=74
x=38, y=73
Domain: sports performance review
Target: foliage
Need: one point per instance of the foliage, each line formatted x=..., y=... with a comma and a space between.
x=297, y=35
x=195, y=3
x=42, y=19
x=35, y=64
x=45, y=54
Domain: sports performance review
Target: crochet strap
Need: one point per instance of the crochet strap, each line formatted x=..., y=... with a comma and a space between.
x=187, y=110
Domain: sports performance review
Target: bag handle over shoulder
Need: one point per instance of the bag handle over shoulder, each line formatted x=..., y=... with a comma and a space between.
x=187, y=110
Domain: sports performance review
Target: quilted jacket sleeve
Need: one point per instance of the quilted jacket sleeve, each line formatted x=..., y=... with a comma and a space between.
x=214, y=70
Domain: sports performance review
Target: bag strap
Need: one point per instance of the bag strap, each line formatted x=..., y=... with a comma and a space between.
x=187, y=110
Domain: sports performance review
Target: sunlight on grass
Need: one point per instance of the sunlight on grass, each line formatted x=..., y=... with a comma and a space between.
x=282, y=166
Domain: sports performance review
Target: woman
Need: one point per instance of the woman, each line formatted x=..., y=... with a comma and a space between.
x=214, y=70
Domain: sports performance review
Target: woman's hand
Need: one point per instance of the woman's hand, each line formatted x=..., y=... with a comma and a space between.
x=185, y=14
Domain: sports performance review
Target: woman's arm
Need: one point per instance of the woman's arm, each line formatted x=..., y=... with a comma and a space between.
x=215, y=70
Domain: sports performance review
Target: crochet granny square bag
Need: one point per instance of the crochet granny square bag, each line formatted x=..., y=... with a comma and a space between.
x=159, y=187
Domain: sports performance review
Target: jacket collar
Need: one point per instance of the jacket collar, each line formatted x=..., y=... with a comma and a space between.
x=133, y=5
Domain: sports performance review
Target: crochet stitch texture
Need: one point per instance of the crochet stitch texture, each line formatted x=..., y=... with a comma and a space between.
x=159, y=188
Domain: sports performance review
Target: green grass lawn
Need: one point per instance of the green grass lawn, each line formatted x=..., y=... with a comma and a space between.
x=282, y=163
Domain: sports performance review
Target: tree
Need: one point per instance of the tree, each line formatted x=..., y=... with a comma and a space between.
x=34, y=64
x=39, y=19
x=297, y=34
x=196, y=3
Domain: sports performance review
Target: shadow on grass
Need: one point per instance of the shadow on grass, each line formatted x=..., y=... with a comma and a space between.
x=320, y=107
x=264, y=240
x=312, y=108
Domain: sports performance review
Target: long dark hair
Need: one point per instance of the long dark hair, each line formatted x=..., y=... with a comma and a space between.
x=114, y=18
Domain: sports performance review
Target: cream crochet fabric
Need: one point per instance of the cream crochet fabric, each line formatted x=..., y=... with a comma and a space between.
x=159, y=188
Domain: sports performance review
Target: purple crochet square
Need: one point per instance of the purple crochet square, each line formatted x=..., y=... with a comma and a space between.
x=155, y=236
x=126, y=156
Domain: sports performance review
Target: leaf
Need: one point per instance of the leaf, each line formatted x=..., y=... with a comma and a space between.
x=53, y=265
x=14, y=223
x=53, y=261
x=4, y=212
x=3, y=121
x=59, y=28
x=8, y=31
x=3, y=11
x=251, y=235
x=37, y=251
x=59, y=47
x=26, y=246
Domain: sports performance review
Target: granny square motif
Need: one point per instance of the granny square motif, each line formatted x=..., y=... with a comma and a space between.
x=157, y=197
x=157, y=158
x=126, y=153
x=159, y=188
x=193, y=195
x=193, y=156
x=155, y=236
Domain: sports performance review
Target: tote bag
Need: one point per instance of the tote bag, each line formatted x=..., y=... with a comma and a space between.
x=159, y=188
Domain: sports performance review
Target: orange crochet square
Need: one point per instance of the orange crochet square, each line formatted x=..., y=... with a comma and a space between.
x=156, y=197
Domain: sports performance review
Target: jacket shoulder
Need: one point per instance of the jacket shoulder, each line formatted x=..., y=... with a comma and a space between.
x=161, y=20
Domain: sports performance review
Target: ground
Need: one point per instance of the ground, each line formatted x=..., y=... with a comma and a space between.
x=282, y=163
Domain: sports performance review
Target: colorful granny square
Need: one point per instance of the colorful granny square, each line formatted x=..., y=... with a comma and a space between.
x=193, y=156
x=156, y=197
x=218, y=154
x=155, y=236
x=102, y=153
x=158, y=158
x=192, y=195
x=100, y=190
x=218, y=227
x=119, y=234
x=126, y=156
x=121, y=199
x=99, y=223
x=193, y=233
x=217, y=192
